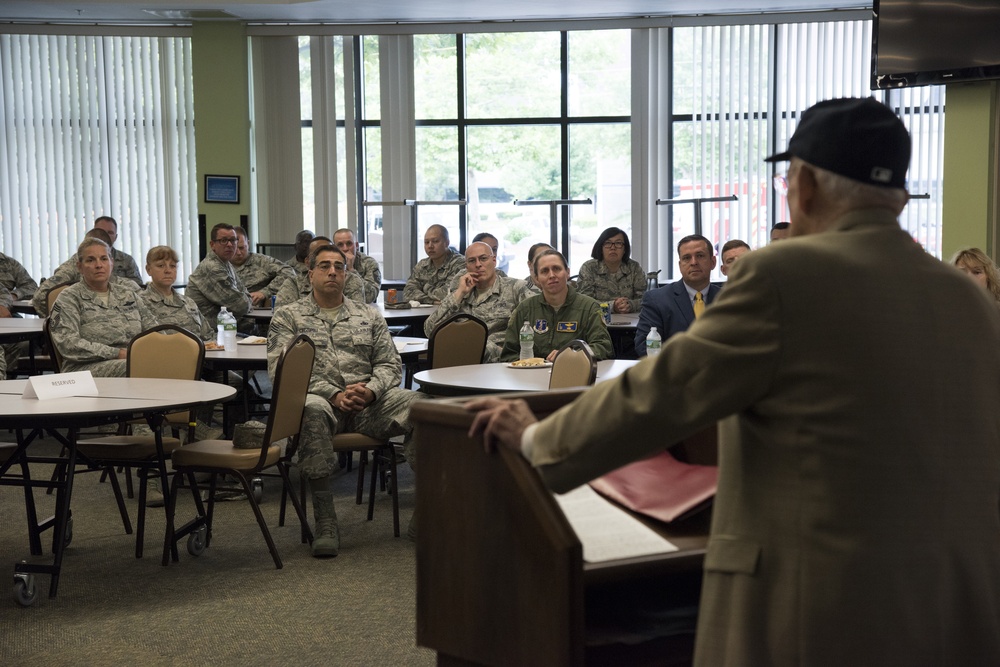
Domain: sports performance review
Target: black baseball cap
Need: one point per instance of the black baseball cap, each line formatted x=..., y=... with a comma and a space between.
x=861, y=139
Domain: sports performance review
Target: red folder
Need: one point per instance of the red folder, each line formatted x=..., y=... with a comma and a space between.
x=661, y=487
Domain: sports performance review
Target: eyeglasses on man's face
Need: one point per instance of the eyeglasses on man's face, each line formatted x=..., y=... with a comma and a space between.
x=225, y=241
x=336, y=266
x=614, y=245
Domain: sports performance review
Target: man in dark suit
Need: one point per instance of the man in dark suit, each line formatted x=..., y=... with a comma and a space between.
x=671, y=308
x=856, y=518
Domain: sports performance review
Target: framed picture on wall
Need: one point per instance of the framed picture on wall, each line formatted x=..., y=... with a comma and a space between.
x=222, y=189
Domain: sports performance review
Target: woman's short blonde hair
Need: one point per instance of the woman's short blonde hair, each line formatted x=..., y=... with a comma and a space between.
x=161, y=252
x=974, y=258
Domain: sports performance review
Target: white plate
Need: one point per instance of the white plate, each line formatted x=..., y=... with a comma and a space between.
x=547, y=364
x=252, y=340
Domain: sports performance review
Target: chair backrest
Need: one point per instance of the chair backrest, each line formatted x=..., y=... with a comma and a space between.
x=50, y=298
x=165, y=351
x=288, y=396
x=574, y=366
x=458, y=341
x=57, y=358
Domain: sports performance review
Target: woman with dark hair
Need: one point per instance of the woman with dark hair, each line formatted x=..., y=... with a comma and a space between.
x=558, y=315
x=612, y=275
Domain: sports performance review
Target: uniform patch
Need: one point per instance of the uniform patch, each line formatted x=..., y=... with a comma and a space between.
x=541, y=326
x=566, y=327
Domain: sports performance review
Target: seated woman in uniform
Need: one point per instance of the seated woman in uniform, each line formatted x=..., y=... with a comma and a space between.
x=93, y=320
x=612, y=275
x=167, y=304
x=977, y=265
x=556, y=316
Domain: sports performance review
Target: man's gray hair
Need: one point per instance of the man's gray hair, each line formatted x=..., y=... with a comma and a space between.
x=855, y=194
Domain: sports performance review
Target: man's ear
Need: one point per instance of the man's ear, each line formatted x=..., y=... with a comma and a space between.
x=807, y=189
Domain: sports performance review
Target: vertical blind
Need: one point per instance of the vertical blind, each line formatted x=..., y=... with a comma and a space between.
x=739, y=93
x=94, y=126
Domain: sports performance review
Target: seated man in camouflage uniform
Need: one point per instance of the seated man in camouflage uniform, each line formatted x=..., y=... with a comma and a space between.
x=429, y=280
x=364, y=266
x=354, y=384
x=262, y=276
x=15, y=284
x=214, y=283
x=293, y=290
x=302, y=241
x=482, y=292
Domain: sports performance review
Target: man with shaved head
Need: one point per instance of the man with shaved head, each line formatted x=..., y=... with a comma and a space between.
x=431, y=276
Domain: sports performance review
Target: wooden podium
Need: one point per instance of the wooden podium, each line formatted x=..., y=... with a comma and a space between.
x=500, y=573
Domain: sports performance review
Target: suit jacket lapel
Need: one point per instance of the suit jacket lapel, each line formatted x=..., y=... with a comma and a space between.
x=683, y=301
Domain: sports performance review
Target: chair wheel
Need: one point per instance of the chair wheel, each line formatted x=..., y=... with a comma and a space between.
x=196, y=541
x=257, y=485
x=25, y=592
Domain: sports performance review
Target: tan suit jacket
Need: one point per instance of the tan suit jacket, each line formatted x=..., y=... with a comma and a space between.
x=857, y=520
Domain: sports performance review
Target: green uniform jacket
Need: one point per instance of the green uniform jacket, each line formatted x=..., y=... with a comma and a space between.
x=579, y=318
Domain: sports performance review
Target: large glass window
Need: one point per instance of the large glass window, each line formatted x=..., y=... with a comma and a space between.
x=508, y=120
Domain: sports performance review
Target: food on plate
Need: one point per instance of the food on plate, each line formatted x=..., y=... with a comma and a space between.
x=533, y=361
x=212, y=345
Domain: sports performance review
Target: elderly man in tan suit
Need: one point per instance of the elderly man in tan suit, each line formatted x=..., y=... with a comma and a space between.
x=857, y=520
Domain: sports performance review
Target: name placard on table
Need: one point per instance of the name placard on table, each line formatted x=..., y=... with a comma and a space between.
x=60, y=385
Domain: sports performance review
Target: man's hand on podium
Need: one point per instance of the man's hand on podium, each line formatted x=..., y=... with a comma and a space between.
x=500, y=421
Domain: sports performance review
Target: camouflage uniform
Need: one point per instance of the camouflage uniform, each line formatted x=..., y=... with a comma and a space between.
x=369, y=270
x=124, y=268
x=14, y=277
x=89, y=333
x=428, y=284
x=300, y=268
x=177, y=309
x=214, y=284
x=15, y=284
x=293, y=290
x=580, y=317
x=628, y=281
x=494, y=308
x=355, y=347
x=262, y=273
x=453, y=285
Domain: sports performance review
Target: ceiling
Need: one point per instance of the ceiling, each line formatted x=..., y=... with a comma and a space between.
x=383, y=11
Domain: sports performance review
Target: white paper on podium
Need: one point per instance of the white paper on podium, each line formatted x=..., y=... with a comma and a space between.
x=60, y=385
x=606, y=531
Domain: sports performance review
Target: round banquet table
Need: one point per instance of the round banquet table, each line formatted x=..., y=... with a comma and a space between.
x=118, y=398
x=500, y=377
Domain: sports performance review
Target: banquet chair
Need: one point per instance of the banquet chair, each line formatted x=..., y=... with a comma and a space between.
x=166, y=351
x=458, y=341
x=221, y=457
x=574, y=366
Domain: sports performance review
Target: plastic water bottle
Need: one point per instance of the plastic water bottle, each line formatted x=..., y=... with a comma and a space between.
x=527, y=341
x=653, y=342
x=227, y=328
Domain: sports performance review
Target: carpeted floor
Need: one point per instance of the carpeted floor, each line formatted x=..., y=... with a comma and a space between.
x=229, y=606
